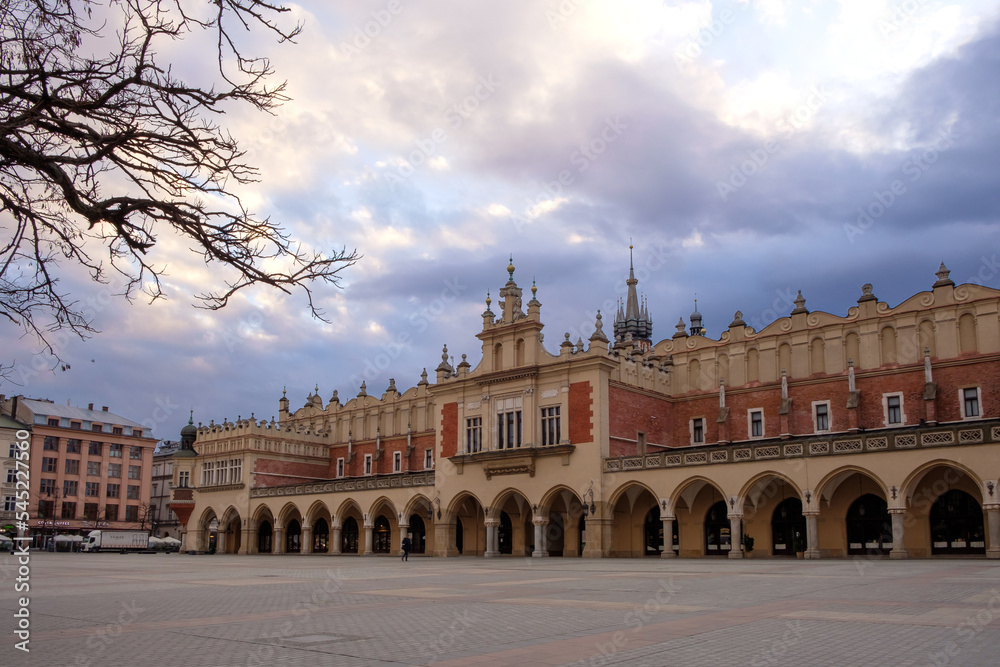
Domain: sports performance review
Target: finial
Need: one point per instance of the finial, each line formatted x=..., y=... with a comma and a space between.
x=510, y=268
x=317, y=388
x=488, y=300
x=942, y=277
x=283, y=392
x=800, y=304
x=444, y=354
x=191, y=418
x=534, y=288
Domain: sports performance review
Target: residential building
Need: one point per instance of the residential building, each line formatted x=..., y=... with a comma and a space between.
x=164, y=521
x=88, y=469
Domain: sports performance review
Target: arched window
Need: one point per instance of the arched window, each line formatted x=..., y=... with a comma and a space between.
x=753, y=365
x=817, y=356
x=321, y=537
x=418, y=534
x=519, y=352
x=349, y=536
x=498, y=357
x=957, y=524
x=381, y=536
x=869, y=529
x=887, y=340
x=718, y=537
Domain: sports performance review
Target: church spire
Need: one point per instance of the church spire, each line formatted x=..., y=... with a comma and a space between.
x=633, y=319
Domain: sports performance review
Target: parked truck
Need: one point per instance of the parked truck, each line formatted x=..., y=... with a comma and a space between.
x=116, y=540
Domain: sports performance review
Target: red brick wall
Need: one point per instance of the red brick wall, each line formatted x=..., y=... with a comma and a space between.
x=581, y=412
x=630, y=412
x=287, y=472
x=449, y=429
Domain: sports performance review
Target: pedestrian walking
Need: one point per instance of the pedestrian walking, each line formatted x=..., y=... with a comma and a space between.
x=406, y=548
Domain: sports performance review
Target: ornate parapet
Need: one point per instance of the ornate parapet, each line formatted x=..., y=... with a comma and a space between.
x=375, y=482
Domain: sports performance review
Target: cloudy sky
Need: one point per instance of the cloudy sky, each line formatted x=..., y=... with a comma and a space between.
x=747, y=150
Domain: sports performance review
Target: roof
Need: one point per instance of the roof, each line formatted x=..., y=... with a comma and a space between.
x=7, y=422
x=38, y=407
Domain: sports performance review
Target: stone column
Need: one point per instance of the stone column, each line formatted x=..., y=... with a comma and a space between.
x=812, y=535
x=668, y=537
x=220, y=541
x=307, y=541
x=541, y=549
x=404, y=528
x=491, y=538
x=278, y=547
x=736, y=535
x=335, y=547
x=368, y=538
x=898, y=550
x=993, y=528
x=183, y=531
x=248, y=544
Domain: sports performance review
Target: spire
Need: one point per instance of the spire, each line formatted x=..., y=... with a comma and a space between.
x=632, y=300
x=633, y=322
x=696, y=328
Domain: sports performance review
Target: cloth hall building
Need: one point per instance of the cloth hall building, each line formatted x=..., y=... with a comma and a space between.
x=876, y=432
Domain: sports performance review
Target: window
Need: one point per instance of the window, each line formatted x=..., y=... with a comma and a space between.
x=111, y=512
x=756, y=420
x=114, y=490
x=135, y=472
x=970, y=402
x=68, y=511
x=90, y=511
x=75, y=425
x=368, y=464
x=892, y=404
x=137, y=432
x=51, y=443
x=551, y=431
x=47, y=487
x=48, y=464
x=135, y=453
x=183, y=479
x=94, y=468
x=72, y=466
x=95, y=448
x=96, y=427
x=46, y=509
x=72, y=446
x=207, y=473
x=12, y=452
x=131, y=512
x=236, y=471
x=93, y=489
x=697, y=430
x=117, y=430
x=156, y=489
x=132, y=492
x=11, y=475
x=114, y=470
x=509, y=429
x=53, y=421
x=821, y=417
x=473, y=435
x=428, y=459
x=9, y=503
x=115, y=451
x=69, y=487
x=340, y=467
x=397, y=461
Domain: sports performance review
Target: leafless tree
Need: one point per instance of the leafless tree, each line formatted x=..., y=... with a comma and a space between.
x=104, y=148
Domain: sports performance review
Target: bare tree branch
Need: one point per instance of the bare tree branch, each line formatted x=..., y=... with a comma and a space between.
x=113, y=149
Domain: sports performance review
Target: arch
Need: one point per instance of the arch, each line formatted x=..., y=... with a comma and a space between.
x=418, y=504
x=967, y=333
x=567, y=515
x=417, y=533
x=466, y=527
x=630, y=488
x=753, y=365
x=830, y=482
x=383, y=505
x=498, y=357
x=688, y=490
x=516, y=534
x=788, y=528
x=630, y=506
x=506, y=496
x=785, y=359
x=764, y=484
x=956, y=524
x=381, y=535
x=869, y=528
x=288, y=512
x=349, y=506
x=293, y=537
x=887, y=343
x=718, y=537
x=230, y=531
x=519, y=352
x=349, y=533
x=852, y=349
x=912, y=481
x=208, y=531
x=817, y=356
x=320, y=536
x=317, y=511
x=563, y=493
x=265, y=536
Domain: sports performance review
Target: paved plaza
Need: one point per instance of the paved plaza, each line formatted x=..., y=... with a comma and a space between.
x=236, y=611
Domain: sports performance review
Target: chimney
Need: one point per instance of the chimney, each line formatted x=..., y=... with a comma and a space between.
x=104, y=408
x=90, y=406
x=13, y=407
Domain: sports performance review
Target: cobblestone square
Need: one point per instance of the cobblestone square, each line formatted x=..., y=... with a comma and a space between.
x=235, y=611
